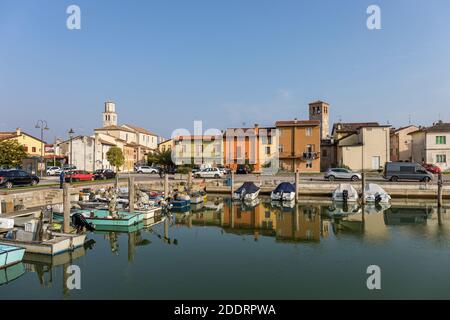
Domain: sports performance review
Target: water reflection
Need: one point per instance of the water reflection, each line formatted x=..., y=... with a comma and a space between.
x=310, y=221
x=11, y=273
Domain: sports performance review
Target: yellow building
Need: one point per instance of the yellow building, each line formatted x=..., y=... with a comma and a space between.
x=33, y=146
x=166, y=145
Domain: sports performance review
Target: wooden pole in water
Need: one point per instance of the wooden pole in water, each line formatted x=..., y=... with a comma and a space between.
x=363, y=183
x=66, y=207
x=297, y=182
x=131, y=194
x=166, y=185
x=189, y=181
x=440, y=185
x=232, y=183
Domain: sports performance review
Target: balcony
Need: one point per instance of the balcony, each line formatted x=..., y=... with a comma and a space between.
x=308, y=156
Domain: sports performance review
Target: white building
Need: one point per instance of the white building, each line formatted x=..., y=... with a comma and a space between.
x=432, y=145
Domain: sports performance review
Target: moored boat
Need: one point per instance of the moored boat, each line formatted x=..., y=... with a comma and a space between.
x=248, y=191
x=10, y=255
x=285, y=191
x=104, y=218
x=345, y=193
x=373, y=193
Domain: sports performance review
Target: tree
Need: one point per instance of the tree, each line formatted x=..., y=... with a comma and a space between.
x=161, y=158
x=115, y=157
x=11, y=153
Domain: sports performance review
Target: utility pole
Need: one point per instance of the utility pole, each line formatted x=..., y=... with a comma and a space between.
x=42, y=124
x=71, y=132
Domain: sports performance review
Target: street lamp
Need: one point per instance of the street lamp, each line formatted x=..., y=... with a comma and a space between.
x=42, y=124
x=71, y=132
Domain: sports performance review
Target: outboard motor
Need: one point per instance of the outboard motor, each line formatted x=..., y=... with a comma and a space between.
x=378, y=198
x=80, y=222
x=345, y=195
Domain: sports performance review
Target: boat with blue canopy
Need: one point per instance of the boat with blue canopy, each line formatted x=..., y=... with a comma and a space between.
x=285, y=191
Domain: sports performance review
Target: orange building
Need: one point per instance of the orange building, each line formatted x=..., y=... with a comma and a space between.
x=249, y=146
x=299, y=145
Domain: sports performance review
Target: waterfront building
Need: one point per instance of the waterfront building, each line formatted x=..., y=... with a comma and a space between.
x=299, y=145
x=204, y=149
x=255, y=147
x=432, y=145
x=32, y=145
x=362, y=146
x=401, y=143
x=165, y=145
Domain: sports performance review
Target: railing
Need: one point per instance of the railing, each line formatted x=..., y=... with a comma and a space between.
x=309, y=156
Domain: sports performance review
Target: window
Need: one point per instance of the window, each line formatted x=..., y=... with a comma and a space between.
x=441, y=158
x=269, y=140
x=25, y=148
x=325, y=153
x=280, y=148
x=33, y=149
x=309, y=164
x=441, y=140
x=267, y=150
x=308, y=132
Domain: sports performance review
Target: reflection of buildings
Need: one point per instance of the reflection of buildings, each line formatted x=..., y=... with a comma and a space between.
x=285, y=224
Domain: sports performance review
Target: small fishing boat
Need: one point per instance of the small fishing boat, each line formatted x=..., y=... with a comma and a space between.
x=104, y=218
x=248, y=191
x=10, y=255
x=56, y=244
x=285, y=191
x=345, y=193
x=148, y=212
x=198, y=197
x=373, y=193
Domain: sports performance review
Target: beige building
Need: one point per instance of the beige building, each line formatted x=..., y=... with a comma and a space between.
x=367, y=148
x=401, y=143
x=432, y=145
x=166, y=145
x=320, y=111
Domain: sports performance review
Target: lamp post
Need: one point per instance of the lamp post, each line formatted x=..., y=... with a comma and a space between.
x=71, y=132
x=42, y=124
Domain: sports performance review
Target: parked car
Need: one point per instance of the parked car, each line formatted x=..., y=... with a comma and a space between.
x=432, y=168
x=146, y=169
x=14, y=177
x=104, y=174
x=209, y=173
x=79, y=175
x=342, y=174
x=395, y=171
x=69, y=168
x=53, y=171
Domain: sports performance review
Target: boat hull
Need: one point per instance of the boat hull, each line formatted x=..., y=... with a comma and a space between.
x=10, y=255
x=285, y=196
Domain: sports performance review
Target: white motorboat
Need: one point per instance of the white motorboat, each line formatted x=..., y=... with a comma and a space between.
x=345, y=193
x=285, y=191
x=373, y=193
x=248, y=191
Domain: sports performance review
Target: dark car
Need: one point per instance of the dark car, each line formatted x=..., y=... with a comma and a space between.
x=11, y=178
x=242, y=170
x=395, y=171
x=104, y=174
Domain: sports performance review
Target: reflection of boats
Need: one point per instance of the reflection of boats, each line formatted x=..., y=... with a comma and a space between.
x=285, y=191
x=375, y=193
x=198, y=197
x=405, y=215
x=284, y=205
x=10, y=255
x=60, y=259
x=248, y=191
x=11, y=273
x=342, y=209
x=345, y=193
x=376, y=207
x=249, y=204
x=197, y=207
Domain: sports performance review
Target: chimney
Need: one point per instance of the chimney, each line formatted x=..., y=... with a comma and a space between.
x=295, y=120
x=18, y=132
x=256, y=125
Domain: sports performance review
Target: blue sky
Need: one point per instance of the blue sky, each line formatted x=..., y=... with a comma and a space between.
x=167, y=63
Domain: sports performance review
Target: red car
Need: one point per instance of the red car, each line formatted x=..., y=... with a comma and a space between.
x=79, y=175
x=432, y=168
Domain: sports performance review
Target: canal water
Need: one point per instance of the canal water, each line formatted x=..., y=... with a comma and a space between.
x=255, y=251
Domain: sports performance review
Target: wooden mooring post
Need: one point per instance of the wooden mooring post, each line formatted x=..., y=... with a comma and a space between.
x=232, y=183
x=363, y=191
x=166, y=185
x=66, y=207
x=440, y=185
x=131, y=194
x=297, y=183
